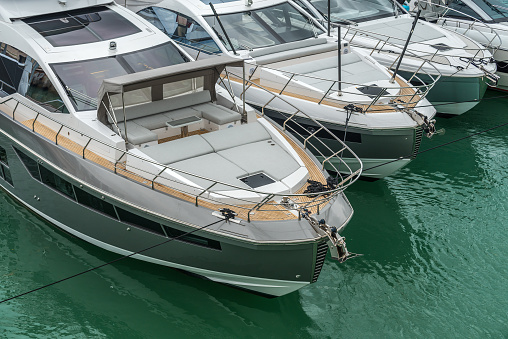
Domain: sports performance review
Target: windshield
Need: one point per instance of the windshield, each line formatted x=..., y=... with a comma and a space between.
x=264, y=27
x=86, y=76
x=496, y=9
x=357, y=10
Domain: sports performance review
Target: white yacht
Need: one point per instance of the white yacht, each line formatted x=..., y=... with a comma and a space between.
x=484, y=21
x=381, y=28
x=110, y=134
x=289, y=55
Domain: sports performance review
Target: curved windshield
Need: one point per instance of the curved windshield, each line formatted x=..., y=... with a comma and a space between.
x=82, y=79
x=357, y=10
x=459, y=10
x=496, y=9
x=264, y=27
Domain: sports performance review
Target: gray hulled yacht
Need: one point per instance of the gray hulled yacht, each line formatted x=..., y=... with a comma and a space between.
x=290, y=59
x=110, y=134
x=381, y=28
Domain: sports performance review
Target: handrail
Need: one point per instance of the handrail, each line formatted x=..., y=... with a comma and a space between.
x=470, y=26
x=294, y=132
x=414, y=52
x=327, y=195
x=421, y=90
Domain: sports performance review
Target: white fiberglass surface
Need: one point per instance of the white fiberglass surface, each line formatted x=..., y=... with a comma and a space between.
x=264, y=27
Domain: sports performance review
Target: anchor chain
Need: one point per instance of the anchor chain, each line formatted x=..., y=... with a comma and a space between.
x=336, y=243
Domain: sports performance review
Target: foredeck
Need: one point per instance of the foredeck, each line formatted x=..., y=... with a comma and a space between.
x=406, y=96
x=269, y=211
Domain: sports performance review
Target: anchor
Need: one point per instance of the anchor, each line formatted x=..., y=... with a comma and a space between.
x=336, y=243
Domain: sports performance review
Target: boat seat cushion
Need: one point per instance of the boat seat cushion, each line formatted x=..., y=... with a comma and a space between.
x=137, y=134
x=162, y=106
x=287, y=46
x=294, y=53
x=178, y=150
x=218, y=114
x=262, y=156
x=240, y=135
x=212, y=166
x=322, y=64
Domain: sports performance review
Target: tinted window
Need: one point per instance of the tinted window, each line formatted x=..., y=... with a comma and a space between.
x=461, y=10
x=42, y=91
x=139, y=221
x=94, y=202
x=12, y=64
x=180, y=28
x=82, y=26
x=86, y=76
x=52, y=180
x=30, y=164
x=3, y=156
x=7, y=174
x=192, y=238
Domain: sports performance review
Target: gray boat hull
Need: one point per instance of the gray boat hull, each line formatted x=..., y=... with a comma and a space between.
x=270, y=267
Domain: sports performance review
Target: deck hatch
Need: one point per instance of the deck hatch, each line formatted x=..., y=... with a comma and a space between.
x=257, y=180
x=372, y=91
x=441, y=47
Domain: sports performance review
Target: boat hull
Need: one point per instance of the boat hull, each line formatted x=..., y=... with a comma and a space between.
x=270, y=268
x=452, y=94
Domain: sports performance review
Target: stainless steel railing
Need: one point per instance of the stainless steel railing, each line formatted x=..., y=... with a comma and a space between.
x=126, y=163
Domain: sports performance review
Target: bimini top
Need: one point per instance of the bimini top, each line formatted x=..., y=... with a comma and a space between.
x=210, y=69
x=17, y=9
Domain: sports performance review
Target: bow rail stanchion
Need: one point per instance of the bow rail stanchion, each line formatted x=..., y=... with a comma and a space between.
x=405, y=46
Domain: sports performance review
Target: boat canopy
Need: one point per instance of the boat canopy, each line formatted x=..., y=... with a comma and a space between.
x=209, y=69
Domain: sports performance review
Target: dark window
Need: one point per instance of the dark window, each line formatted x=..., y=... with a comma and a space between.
x=30, y=164
x=82, y=26
x=139, y=221
x=42, y=91
x=3, y=156
x=6, y=172
x=52, y=180
x=95, y=203
x=180, y=28
x=13, y=62
x=192, y=238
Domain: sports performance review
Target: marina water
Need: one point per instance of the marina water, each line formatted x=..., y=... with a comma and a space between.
x=434, y=238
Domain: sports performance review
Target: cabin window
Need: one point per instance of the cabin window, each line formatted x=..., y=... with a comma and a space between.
x=42, y=91
x=180, y=28
x=14, y=68
x=30, y=164
x=139, y=221
x=54, y=181
x=461, y=11
x=5, y=171
x=95, y=203
x=192, y=238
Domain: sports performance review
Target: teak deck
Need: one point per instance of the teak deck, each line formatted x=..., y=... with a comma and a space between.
x=275, y=212
x=406, y=95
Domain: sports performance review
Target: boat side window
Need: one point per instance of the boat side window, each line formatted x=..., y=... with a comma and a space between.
x=5, y=171
x=30, y=164
x=461, y=11
x=180, y=28
x=42, y=91
x=192, y=238
x=13, y=67
x=139, y=221
x=95, y=203
x=54, y=181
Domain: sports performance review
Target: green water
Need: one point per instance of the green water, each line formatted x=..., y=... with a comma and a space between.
x=434, y=238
